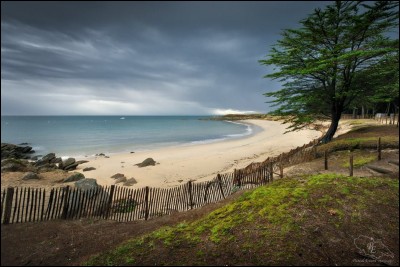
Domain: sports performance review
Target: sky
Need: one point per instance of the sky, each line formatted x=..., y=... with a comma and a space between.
x=141, y=58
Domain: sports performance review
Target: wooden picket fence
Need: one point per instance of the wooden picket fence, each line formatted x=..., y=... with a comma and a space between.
x=126, y=204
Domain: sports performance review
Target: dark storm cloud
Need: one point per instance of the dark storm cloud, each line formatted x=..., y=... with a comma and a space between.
x=140, y=57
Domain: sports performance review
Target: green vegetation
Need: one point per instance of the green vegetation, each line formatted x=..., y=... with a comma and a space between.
x=270, y=225
x=338, y=59
x=358, y=143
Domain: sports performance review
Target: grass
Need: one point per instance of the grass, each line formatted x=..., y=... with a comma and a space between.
x=272, y=224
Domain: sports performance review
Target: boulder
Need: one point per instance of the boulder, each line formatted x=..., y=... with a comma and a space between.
x=92, y=192
x=49, y=157
x=146, y=162
x=130, y=182
x=82, y=161
x=120, y=180
x=87, y=184
x=117, y=176
x=68, y=162
x=47, y=167
x=14, y=151
x=46, y=159
x=30, y=176
x=71, y=167
x=14, y=165
x=56, y=160
x=89, y=169
x=74, y=177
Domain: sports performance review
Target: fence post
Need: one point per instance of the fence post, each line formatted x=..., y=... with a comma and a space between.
x=326, y=159
x=271, y=171
x=220, y=185
x=351, y=163
x=66, y=203
x=190, y=194
x=379, y=149
x=146, y=212
x=109, y=203
x=7, y=209
x=281, y=166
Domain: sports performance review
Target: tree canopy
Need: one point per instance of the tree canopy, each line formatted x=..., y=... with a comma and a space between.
x=321, y=65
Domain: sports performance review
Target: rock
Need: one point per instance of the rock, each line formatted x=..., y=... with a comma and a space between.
x=146, y=162
x=56, y=160
x=30, y=176
x=86, y=184
x=23, y=144
x=74, y=177
x=132, y=152
x=49, y=157
x=118, y=175
x=120, y=180
x=89, y=169
x=14, y=151
x=68, y=162
x=130, y=182
x=47, y=167
x=71, y=167
x=82, y=161
x=92, y=192
x=36, y=157
x=14, y=165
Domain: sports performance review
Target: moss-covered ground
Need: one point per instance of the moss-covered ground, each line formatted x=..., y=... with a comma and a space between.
x=300, y=220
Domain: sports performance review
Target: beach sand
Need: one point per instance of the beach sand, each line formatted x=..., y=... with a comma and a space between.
x=197, y=162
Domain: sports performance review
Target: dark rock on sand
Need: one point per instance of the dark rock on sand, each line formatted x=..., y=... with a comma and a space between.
x=30, y=176
x=74, y=177
x=117, y=176
x=130, y=182
x=71, y=167
x=89, y=169
x=120, y=180
x=68, y=162
x=146, y=162
x=49, y=158
x=82, y=161
x=95, y=192
x=47, y=167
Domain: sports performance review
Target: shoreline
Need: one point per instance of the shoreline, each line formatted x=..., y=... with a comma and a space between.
x=199, y=161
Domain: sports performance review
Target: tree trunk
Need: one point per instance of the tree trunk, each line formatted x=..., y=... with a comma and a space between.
x=362, y=112
x=332, y=129
x=354, y=113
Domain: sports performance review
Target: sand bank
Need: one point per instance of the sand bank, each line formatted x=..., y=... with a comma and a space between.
x=198, y=162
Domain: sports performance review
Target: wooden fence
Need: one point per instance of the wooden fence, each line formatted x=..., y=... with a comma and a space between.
x=126, y=204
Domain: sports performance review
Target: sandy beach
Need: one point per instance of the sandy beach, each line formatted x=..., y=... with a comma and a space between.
x=197, y=162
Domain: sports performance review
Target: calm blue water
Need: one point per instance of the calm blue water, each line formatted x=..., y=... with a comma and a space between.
x=80, y=136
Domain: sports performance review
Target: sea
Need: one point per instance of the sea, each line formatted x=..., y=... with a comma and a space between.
x=84, y=136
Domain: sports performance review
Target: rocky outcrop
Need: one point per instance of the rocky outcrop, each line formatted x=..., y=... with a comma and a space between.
x=146, y=162
x=16, y=165
x=16, y=152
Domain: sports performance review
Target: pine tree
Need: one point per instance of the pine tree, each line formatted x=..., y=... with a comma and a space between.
x=319, y=63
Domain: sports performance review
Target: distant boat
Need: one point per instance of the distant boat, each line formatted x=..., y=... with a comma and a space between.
x=122, y=118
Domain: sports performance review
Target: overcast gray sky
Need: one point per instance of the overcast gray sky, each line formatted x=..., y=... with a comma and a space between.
x=140, y=58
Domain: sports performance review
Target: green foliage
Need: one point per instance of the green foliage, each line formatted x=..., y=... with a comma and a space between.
x=320, y=63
